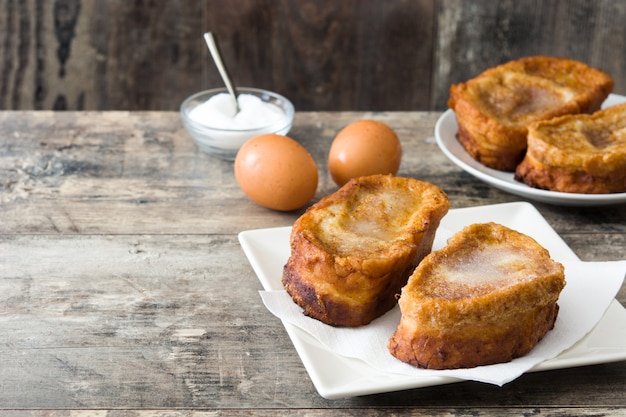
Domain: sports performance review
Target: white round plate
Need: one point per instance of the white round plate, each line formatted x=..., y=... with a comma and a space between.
x=445, y=134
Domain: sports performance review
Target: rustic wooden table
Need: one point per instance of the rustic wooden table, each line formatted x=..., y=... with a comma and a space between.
x=124, y=290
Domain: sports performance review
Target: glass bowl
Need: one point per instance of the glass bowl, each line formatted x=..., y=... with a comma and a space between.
x=225, y=142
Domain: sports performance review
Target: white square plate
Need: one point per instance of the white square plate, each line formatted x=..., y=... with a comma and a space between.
x=335, y=376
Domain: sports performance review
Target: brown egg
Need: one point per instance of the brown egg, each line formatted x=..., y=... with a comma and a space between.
x=276, y=172
x=364, y=147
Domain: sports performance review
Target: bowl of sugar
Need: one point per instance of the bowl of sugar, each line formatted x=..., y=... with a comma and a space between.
x=213, y=122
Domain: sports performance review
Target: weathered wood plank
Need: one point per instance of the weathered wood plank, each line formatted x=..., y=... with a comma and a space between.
x=74, y=172
x=324, y=55
x=154, y=329
x=349, y=55
x=81, y=55
x=87, y=55
x=277, y=412
x=123, y=286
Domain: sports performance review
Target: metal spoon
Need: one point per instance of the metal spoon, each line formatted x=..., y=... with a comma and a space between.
x=215, y=53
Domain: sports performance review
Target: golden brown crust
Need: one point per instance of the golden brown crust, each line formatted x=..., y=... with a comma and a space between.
x=489, y=296
x=353, y=250
x=577, y=153
x=494, y=109
x=449, y=351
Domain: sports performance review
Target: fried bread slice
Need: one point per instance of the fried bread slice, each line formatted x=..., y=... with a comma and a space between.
x=494, y=109
x=353, y=250
x=577, y=153
x=488, y=297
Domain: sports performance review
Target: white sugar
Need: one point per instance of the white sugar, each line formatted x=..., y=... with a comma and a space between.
x=219, y=112
x=490, y=266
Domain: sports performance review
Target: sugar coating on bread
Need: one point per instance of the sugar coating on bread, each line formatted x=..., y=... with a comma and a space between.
x=487, y=297
x=353, y=250
x=577, y=153
x=494, y=109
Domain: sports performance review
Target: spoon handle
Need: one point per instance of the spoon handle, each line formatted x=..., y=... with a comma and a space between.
x=215, y=53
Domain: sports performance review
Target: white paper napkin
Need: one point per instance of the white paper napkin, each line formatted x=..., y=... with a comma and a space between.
x=590, y=288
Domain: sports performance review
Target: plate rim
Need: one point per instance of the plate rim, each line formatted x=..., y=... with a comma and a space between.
x=456, y=153
x=365, y=384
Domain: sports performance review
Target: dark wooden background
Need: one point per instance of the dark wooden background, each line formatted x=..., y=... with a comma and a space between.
x=322, y=54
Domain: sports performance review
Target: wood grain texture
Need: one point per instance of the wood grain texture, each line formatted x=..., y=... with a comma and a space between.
x=149, y=55
x=357, y=55
x=357, y=412
x=139, y=172
x=277, y=412
x=124, y=291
